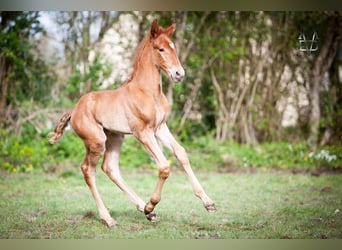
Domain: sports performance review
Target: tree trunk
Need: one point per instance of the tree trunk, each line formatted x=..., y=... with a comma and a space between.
x=321, y=64
x=315, y=114
x=4, y=69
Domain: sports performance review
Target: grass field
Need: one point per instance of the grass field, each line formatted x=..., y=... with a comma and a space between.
x=261, y=205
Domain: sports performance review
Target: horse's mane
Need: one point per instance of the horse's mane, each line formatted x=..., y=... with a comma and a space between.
x=138, y=54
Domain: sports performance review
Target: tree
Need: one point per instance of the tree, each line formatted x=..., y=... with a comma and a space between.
x=81, y=31
x=23, y=74
x=320, y=66
x=244, y=71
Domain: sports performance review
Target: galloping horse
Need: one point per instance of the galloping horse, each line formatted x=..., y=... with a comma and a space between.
x=138, y=107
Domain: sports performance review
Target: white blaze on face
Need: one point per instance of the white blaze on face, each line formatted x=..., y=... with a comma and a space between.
x=172, y=45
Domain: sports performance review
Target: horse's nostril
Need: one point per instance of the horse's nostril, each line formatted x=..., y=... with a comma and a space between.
x=177, y=75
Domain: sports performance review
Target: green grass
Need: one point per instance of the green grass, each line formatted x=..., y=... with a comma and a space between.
x=260, y=205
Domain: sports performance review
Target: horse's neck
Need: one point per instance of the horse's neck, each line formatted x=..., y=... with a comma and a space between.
x=147, y=76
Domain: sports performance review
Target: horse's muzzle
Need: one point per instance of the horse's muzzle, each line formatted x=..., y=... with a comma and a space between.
x=177, y=74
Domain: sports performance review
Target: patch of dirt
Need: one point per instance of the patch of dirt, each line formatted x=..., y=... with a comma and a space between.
x=135, y=228
x=318, y=171
x=89, y=215
x=34, y=216
x=286, y=237
x=326, y=189
x=324, y=236
x=201, y=232
x=207, y=236
x=74, y=219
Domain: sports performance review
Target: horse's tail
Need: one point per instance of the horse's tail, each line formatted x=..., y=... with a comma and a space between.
x=59, y=129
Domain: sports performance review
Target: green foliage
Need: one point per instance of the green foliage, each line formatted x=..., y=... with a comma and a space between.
x=27, y=73
x=91, y=80
x=206, y=153
x=191, y=130
x=134, y=156
x=219, y=44
x=15, y=156
x=32, y=152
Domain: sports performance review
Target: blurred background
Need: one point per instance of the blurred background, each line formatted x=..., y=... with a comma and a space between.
x=262, y=89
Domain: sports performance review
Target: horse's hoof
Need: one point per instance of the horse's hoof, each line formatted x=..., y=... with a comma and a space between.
x=210, y=207
x=115, y=225
x=152, y=217
x=111, y=224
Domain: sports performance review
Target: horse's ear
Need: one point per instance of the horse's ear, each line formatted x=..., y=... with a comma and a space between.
x=155, y=30
x=169, y=31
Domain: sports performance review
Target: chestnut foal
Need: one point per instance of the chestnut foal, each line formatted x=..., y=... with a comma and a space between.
x=138, y=107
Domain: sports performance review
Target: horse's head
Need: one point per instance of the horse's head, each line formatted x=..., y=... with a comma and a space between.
x=164, y=51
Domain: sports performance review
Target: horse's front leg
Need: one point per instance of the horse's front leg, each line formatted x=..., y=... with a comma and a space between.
x=148, y=139
x=165, y=136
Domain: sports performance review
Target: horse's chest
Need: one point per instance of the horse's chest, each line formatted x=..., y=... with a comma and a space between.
x=152, y=112
x=160, y=115
x=161, y=109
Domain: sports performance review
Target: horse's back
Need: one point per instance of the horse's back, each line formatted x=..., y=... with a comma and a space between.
x=105, y=109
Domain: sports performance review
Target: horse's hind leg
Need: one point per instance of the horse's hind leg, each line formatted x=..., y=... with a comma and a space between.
x=94, y=149
x=110, y=166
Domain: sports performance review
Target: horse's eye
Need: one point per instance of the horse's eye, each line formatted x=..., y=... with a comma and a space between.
x=161, y=50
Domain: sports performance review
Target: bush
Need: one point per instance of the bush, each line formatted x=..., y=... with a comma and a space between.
x=206, y=153
x=28, y=153
x=33, y=152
